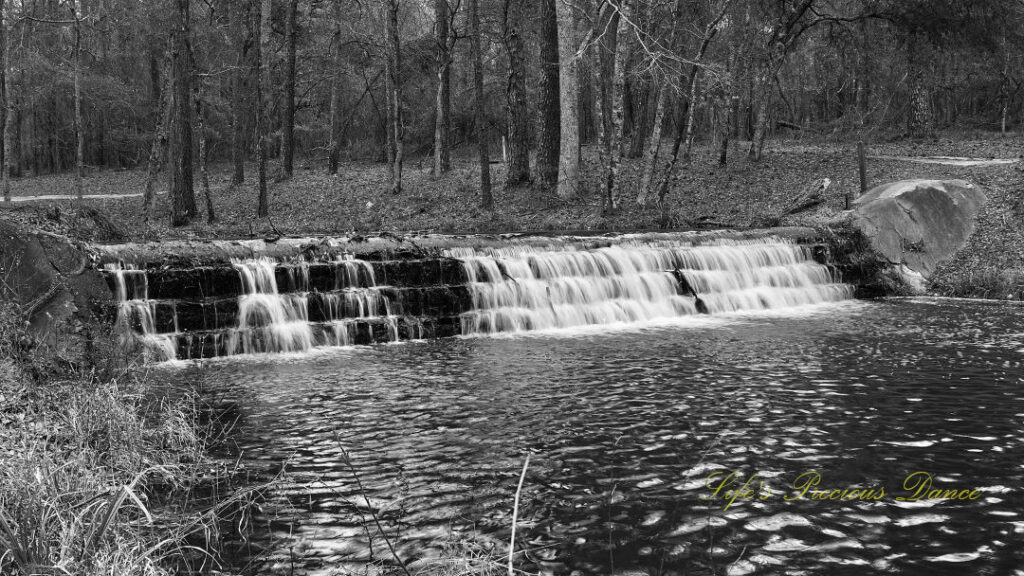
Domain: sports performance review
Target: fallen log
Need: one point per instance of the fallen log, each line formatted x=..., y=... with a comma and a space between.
x=811, y=197
x=792, y=126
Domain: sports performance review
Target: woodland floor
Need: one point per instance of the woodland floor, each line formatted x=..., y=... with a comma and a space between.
x=705, y=195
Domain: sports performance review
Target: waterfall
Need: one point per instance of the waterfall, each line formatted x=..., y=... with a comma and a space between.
x=271, y=321
x=261, y=305
x=272, y=312
x=267, y=320
x=136, y=313
x=521, y=288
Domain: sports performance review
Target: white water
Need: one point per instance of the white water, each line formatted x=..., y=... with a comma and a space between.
x=515, y=288
x=136, y=313
x=268, y=320
x=524, y=288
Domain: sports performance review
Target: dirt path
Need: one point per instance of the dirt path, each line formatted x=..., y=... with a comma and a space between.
x=949, y=160
x=52, y=197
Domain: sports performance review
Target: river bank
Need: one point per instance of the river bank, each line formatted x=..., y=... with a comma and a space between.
x=90, y=467
x=103, y=469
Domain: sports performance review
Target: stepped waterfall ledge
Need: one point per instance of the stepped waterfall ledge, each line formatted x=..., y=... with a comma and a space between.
x=276, y=307
x=526, y=288
x=262, y=304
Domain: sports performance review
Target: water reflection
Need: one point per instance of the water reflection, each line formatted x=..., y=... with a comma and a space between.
x=625, y=428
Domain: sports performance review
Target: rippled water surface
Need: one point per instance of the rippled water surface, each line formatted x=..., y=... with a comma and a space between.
x=625, y=426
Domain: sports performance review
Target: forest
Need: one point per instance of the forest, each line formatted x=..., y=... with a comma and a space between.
x=172, y=88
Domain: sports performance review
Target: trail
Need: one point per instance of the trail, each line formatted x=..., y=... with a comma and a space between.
x=53, y=197
x=949, y=160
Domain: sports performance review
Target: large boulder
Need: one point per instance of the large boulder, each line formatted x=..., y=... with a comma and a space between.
x=917, y=224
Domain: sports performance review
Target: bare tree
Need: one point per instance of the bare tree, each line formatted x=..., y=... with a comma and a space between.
x=392, y=50
x=444, y=37
x=79, y=125
x=239, y=18
x=920, y=116
x=204, y=177
x=782, y=37
x=686, y=120
x=662, y=93
x=392, y=56
x=262, y=128
x=616, y=136
x=568, y=61
x=288, y=137
x=334, y=147
x=5, y=104
x=486, y=198
x=158, y=148
x=515, y=97
x=183, y=199
x=549, y=119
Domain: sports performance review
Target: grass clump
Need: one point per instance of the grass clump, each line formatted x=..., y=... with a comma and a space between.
x=988, y=283
x=88, y=466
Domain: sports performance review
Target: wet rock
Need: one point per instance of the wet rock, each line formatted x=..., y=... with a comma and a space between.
x=193, y=283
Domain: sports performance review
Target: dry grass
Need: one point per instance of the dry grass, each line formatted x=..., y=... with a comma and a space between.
x=88, y=467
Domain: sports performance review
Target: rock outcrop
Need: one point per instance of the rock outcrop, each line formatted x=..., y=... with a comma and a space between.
x=51, y=278
x=917, y=224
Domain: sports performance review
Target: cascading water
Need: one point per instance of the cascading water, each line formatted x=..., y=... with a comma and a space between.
x=525, y=288
x=136, y=312
x=271, y=321
x=264, y=317
x=260, y=305
x=267, y=320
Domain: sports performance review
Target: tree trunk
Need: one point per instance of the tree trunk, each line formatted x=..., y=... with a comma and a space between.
x=15, y=106
x=616, y=136
x=653, y=146
x=586, y=102
x=548, y=130
x=389, y=134
x=641, y=115
x=393, y=55
x=608, y=43
x=183, y=199
x=444, y=39
x=515, y=94
x=79, y=127
x=266, y=69
x=486, y=198
x=569, y=145
x=288, y=137
x=157, y=148
x=204, y=178
x=5, y=101
x=262, y=76
x=596, y=76
x=239, y=20
x=335, y=140
x=694, y=81
x=334, y=147
x=756, y=150
x=920, y=117
x=154, y=77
